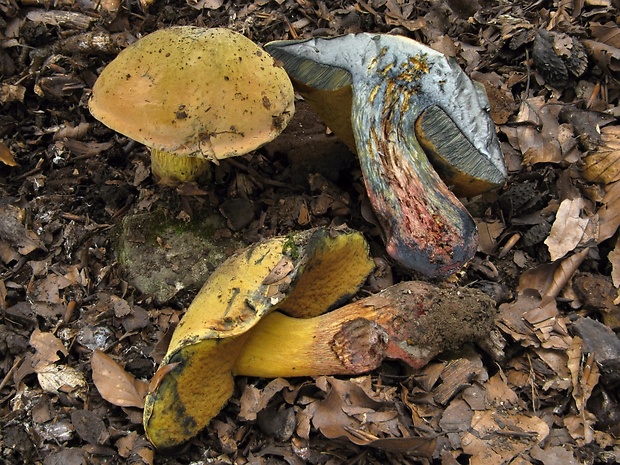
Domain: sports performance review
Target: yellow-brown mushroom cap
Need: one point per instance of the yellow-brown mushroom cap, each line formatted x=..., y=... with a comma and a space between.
x=208, y=93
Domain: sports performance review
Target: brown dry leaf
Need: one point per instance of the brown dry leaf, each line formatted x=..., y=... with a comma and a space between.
x=6, y=156
x=609, y=213
x=116, y=385
x=553, y=455
x=348, y=411
x=47, y=347
x=549, y=278
x=506, y=434
x=603, y=164
x=614, y=259
x=608, y=33
x=15, y=233
x=539, y=145
x=488, y=232
x=48, y=289
x=11, y=93
x=606, y=56
x=584, y=376
x=534, y=322
x=254, y=400
x=568, y=228
x=60, y=378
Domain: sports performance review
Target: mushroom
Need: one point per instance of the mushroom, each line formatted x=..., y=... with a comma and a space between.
x=399, y=104
x=410, y=321
x=193, y=95
x=303, y=274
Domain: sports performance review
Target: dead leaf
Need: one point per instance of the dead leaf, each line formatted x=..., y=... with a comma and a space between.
x=344, y=413
x=607, y=33
x=15, y=233
x=603, y=164
x=254, y=400
x=584, y=376
x=614, y=259
x=538, y=139
x=606, y=56
x=11, y=93
x=553, y=455
x=116, y=385
x=609, y=213
x=488, y=232
x=568, y=228
x=47, y=346
x=60, y=378
x=6, y=156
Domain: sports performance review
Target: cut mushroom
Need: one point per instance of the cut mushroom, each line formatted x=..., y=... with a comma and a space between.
x=193, y=95
x=302, y=275
x=391, y=99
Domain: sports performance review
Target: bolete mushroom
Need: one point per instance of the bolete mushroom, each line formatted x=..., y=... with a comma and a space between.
x=193, y=95
x=398, y=103
x=302, y=274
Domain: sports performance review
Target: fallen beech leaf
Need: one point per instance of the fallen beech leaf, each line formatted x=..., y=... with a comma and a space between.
x=607, y=33
x=345, y=411
x=609, y=213
x=550, y=278
x=584, y=376
x=13, y=231
x=116, y=385
x=606, y=56
x=254, y=400
x=47, y=346
x=614, y=259
x=603, y=163
x=488, y=232
x=56, y=378
x=568, y=228
x=539, y=145
x=6, y=156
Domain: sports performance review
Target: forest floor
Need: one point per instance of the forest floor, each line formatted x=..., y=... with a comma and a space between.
x=543, y=390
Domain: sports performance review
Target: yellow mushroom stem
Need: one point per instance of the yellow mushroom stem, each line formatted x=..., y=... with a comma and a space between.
x=412, y=322
x=170, y=169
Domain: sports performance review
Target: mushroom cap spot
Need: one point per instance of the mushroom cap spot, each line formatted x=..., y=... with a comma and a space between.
x=195, y=92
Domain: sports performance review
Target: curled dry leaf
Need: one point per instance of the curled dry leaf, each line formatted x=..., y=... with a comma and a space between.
x=568, y=229
x=609, y=213
x=603, y=163
x=614, y=259
x=6, y=156
x=114, y=384
x=606, y=56
x=607, y=33
x=349, y=412
x=584, y=376
x=549, y=279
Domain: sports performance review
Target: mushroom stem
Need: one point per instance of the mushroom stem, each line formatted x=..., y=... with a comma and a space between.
x=169, y=169
x=411, y=322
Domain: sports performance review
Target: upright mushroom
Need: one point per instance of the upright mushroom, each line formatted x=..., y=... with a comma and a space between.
x=303, y=274
x=398, y=103
x=193, y=95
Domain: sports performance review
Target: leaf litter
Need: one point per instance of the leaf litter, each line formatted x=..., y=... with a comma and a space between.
x=78, y=341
